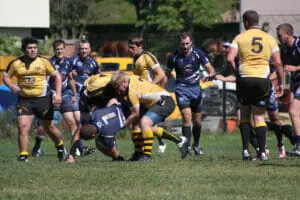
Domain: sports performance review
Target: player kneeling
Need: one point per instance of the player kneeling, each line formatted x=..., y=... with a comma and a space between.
x=104, y=124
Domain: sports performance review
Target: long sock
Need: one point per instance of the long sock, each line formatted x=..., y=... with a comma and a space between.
x=187, y=132
x=80, y=145
x=60, y=146
x=297, y=139
x=288, y=131
x=167, y=135
x=261, y=134
x=38, y=141
x=137, y=139
x=278, y=133
x=253, y=139
x=73, y=149
x=158, y=134
x=148, y=141
x=245, y=128
x=196, y=134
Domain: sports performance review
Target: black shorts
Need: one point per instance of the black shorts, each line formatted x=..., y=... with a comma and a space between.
x=103, y=142
x=161, y=110
x=253, y=91
x=41, y=107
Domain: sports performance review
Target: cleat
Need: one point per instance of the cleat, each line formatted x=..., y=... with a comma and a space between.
x=23, y=159
x=119, y=158
x=71, y=159
x=135, y=156
x=294, y=152
x=37, y=152
x=183, y=147
x=144, y=158
x=197, y=150
x=61, y=155
x=87, y=151
x=162, y=148
x=281, y=152
x=189, y=150
x=263, y=156
x=246, y=155
x=77, y=152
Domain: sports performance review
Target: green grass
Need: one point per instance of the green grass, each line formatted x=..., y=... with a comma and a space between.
x=219, y=174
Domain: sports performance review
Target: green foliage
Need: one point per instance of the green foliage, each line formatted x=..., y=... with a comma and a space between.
x=178, y=15
x=45, y=47
x=8, y=125
x=219, y=174
x=10, y=45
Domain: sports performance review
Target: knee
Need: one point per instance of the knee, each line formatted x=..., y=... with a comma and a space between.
x=146, y=123
x=197, y=122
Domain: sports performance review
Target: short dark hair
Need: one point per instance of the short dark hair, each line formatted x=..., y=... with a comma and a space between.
x=28, y=40
x=252, y=17
x=184, y=35
x=135, y=39
x=88, y=131
x=286, y=27
x=57, y=43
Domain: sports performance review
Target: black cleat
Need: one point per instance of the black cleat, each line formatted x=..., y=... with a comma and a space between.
x=87, y=151
x=37, y=152
x=23, y=158
x=144, y=158
x=135, y=156
x=119, y=158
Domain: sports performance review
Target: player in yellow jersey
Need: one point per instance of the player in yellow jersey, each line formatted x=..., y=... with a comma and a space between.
x=146, y=66
x=255, y=48
x=31, y=72
x=150, y=104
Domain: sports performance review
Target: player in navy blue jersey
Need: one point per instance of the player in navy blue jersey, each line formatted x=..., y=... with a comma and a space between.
x=62, y=65
x=291, y=60
x=104, y=124
x=83, y=66
x=186, y=61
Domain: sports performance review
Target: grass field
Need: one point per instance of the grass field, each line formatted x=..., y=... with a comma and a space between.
x=219, y=174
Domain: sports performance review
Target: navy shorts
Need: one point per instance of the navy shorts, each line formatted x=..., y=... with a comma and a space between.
x=76, y=105
x=273, y=103
x=295, y=89
x=66, y=104
x=189, y=97
x=103, y=142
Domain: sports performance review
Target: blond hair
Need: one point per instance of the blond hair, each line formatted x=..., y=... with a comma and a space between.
x=118, y=77
x=286, y=27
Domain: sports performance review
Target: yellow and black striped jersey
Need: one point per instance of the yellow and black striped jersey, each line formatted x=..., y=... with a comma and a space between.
x=144, y=93
x=255, y=49
x=144, y=65
x=96, y=84
x=31, y=76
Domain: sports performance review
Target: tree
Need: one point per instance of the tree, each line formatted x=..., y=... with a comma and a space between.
x=181, y=15
x=71, y=16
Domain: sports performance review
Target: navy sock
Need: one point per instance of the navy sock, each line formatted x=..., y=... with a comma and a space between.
x=245, y=128
x=196, y=134
x=261, y=133
x=80, y=145
x=38, y=141
x=187, y=132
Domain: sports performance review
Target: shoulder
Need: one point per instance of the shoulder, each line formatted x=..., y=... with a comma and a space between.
x=14, y=62
x=44, y=60
x=198, y=51
x=149, y=55
x=297, y=42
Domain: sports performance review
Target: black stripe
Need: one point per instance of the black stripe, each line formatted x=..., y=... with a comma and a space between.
x=148, y=145
x=151, y=56
x=10, y=63
x=148, y=150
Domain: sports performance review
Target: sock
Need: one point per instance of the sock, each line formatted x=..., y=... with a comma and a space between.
x=158, y=134
x=253, y=139
x=245, y=128
x=80, y=145
x=187, y=132
x=297, y=140
x=137, y=139
x=148, y=141
x=288, y=131
x=170, y=136
x=38, y=141
x=261, y=133
x=73, y=149
x=24, y=153
x=277, y=131
x=196, y=134
x=60, y=146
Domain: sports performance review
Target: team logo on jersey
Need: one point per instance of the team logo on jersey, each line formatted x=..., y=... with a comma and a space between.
x=188, y=68
x=79, y=63
x=37, y=68
x=193, y=58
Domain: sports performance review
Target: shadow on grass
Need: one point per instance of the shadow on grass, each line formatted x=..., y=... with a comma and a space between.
x=266, y=164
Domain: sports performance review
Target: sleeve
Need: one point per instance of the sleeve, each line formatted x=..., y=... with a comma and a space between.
x=97, y=68
x=274, y=45
x=133, y=99
x=170, y=64
x=151, y=61
x=50, y=69
x=203, y=59
x=10, y=70
x=234, y=43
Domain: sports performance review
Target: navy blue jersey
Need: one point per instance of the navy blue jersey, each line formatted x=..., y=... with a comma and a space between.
x=187, y=67
x=64, y=68
x=84, y=68
x=291, y=56
x=108, y=120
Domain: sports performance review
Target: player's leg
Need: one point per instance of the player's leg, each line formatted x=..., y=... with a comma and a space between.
x=24, y=124
x=245, y=129
x=107, y=146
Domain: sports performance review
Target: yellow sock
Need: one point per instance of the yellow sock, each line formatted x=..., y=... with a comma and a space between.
x=61, y=143
x=159, y=132
x=148, y=141
x=24, y=153
x=137, y=139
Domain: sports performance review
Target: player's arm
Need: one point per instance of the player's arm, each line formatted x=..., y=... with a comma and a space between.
x=134, y=115
x=72, y=86
x=159, y=77
x=230, y=78
x=210, y=69
x=232, y=53
x=57, y=98
x=279, y=70
x=7, y=81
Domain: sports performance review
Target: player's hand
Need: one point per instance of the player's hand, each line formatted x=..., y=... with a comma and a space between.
x=71, y=159
x=279, y=91
x=73, y=100
x=74, y=73
x=56, y=100
x=15, y=89
x=289, y=68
